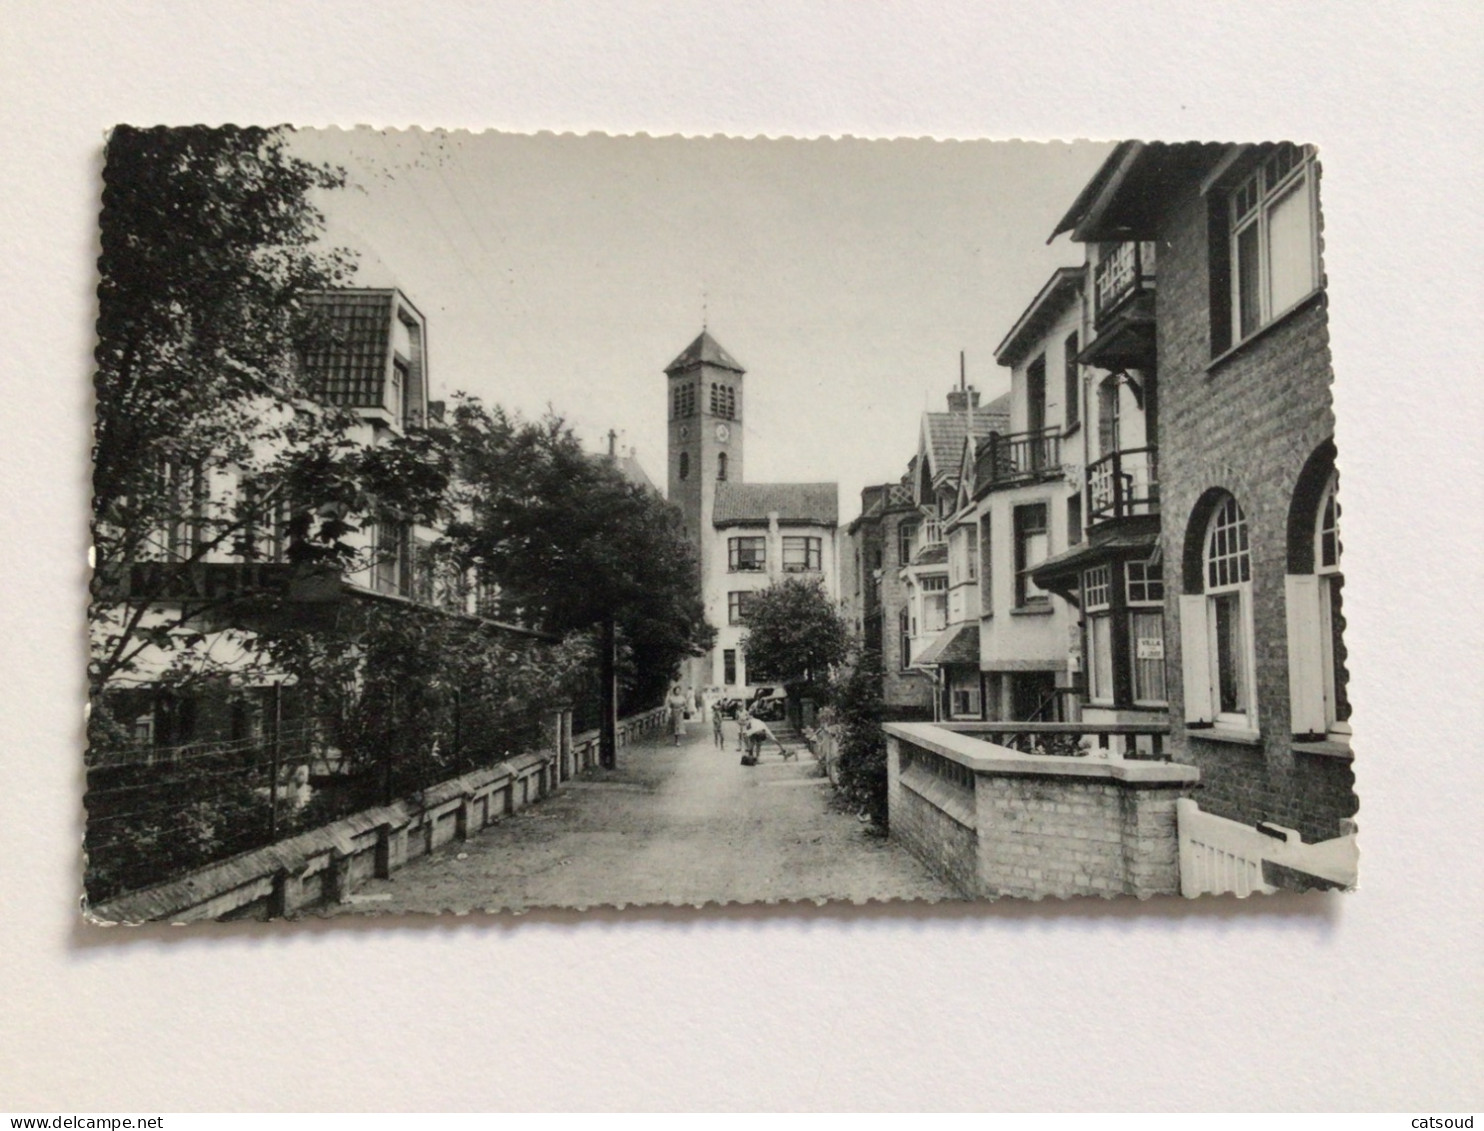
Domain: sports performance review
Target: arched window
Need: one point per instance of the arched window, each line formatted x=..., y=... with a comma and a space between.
x=721, y=466
x=904, y=637
x=1217, y=655
x=685, y=465
x=1318, y=704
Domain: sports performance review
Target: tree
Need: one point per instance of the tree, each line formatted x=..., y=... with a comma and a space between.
x=795, y=633
x=574, y=545
x=209, y=247
x=859, y=710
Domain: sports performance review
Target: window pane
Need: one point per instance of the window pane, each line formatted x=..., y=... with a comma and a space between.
x=1249, y=281
x=1290, y=248
x=1231, y=671
x=1100, y=660
x=1149, y=656
x=935, y=612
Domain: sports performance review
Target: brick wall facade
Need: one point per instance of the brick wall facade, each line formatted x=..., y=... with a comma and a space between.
x=1246, y=425
x=900, y=689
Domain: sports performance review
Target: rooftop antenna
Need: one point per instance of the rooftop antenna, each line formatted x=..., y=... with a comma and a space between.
x=705, y=311
x=963, y=387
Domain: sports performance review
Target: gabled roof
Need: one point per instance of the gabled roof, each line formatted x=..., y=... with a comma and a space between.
x=705, y=350
x=1125, y=196
x=1059, y=292
x=347, y=358
x=629, y=467
x=944, y=434
x=794, y=503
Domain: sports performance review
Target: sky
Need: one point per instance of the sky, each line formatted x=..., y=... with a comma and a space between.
x=845, y=276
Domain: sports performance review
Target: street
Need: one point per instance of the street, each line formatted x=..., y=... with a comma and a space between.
x=676, y=825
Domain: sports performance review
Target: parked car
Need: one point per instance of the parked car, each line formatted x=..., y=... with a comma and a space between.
x=768, y=704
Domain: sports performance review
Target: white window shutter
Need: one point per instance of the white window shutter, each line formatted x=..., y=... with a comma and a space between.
x=1305, y=655
x=1195, y=661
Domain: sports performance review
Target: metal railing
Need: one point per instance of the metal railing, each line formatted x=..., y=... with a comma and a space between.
x=1021, y=456
x=1123, y=483
x=1124, y=272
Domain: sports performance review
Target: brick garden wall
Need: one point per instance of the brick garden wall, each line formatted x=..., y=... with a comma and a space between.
x=1032, y=825
x=1248, y=426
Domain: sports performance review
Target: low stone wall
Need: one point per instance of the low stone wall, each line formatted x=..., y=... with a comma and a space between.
x=580, y=751
x=323, y=866
x=996, y=822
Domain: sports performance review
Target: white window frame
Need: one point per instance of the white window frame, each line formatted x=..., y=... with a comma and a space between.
x=1313, y=695
x=934, y=595
x=964, y=699
x=734, y=554
x=1250, y=205
x=1097, y=610
x=1150, y=583
x=1226, y=574
x=813, y=553
x=1027, y=593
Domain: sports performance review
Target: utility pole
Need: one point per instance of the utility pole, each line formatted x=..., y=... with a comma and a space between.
x=608, y=677
x=275, y=759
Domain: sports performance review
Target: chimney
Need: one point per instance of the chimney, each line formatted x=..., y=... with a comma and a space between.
x=962, y=400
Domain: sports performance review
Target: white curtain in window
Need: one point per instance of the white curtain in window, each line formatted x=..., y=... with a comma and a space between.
x=1290, y=248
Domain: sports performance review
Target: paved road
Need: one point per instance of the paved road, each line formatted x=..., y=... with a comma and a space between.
x=682, y=825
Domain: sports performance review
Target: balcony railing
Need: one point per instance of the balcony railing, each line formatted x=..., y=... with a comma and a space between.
x=1021, y=456
x=1134, y=742
x=1123, y=483
x=1125, y=272
x=929, y=533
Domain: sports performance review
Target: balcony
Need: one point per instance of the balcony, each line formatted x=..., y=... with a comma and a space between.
x=928, y=536
x=1123, y=309
x=1122, y=484
x=1021, y=457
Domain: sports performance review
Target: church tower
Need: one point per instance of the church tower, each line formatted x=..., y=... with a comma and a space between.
x=705, y=409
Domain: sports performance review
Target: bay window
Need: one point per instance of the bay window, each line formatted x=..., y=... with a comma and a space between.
x=934, y=603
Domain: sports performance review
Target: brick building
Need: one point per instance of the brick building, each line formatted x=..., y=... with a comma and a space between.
x=1249, y=517
x=877, y=544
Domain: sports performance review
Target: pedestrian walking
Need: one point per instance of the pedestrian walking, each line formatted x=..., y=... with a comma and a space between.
x=716, y=732
x=677, y=713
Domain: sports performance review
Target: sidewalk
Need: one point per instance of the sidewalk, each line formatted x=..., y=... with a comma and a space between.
x=680, y=824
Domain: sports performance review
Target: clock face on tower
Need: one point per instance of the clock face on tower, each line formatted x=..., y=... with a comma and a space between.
x=723, y=433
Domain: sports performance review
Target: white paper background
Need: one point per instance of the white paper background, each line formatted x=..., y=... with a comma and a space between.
x=1367, y=1001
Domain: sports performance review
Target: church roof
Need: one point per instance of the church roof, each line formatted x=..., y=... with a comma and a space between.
x=705, y=350
x=794, y=503
x=629, y=467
